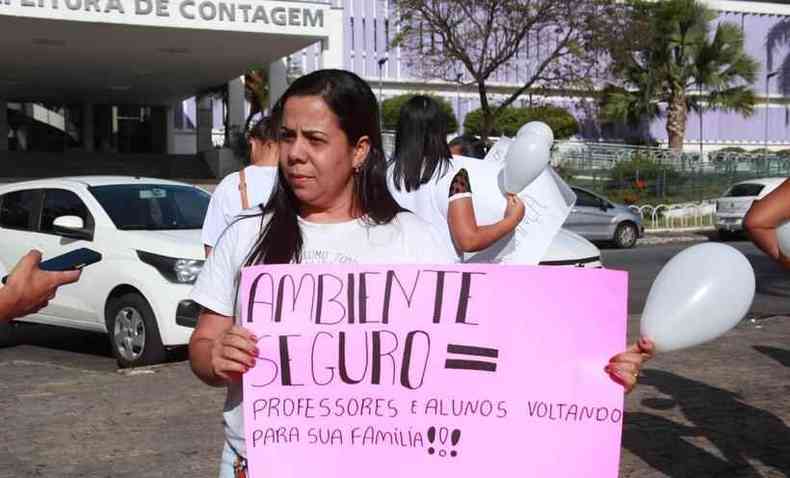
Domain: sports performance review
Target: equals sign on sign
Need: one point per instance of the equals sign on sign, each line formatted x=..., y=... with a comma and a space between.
x=472, y=361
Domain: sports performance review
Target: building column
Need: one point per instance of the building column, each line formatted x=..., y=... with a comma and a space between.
x=159, y=129
x=88, y=128
x=170, y=127
x=205, y=121
x=236, y=102
x=332, y=46
x=278, y=80
x=3, y=125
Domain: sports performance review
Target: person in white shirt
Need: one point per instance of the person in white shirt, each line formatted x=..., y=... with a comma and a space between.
x=423, y=180
x=330, y=204
x=247, y=187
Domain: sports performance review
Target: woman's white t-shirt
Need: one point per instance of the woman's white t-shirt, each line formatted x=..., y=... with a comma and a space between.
x=225, y=202
x=430, y=203
x=405, y=240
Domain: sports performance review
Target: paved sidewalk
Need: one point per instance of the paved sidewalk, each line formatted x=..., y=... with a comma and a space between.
x=718, y=410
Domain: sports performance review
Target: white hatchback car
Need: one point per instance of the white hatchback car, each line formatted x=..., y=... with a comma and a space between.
x=733, y=205
x=148, y=232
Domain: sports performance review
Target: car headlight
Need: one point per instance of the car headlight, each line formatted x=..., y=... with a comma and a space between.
x=181, y=271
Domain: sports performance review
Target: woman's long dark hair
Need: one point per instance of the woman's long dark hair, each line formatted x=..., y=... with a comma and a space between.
x=420, y=144
x=264, y=130
x=356, y=108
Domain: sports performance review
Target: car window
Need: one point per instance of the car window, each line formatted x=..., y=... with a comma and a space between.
x=60, y=202
x=744, y=190
x=583, y=198
x=17, y=209
x=153, y=206
x=193, y=212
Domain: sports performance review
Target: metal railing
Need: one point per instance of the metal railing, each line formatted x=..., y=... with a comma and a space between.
x=644, y=175
x=677, y=217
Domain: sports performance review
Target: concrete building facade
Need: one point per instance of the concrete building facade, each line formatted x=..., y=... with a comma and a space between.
x=119, y=78
x=369, y=26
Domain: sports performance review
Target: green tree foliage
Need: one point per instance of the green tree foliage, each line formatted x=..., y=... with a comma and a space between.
x=672, y=51
x=472, y=42
x=256, y=92
x=390, y=111
x=509, y=120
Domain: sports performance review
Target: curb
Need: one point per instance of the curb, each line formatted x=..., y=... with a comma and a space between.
x=653, y=240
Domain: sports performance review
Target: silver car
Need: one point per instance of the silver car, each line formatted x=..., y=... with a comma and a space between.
x=597, y=219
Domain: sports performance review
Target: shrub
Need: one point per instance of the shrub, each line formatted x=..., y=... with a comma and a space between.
x=509, y=120
x=731, y=149
x=640, y=176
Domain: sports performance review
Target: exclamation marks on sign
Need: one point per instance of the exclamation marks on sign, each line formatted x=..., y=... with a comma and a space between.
x=455, y=436
x=442, y=435
x=431, y=438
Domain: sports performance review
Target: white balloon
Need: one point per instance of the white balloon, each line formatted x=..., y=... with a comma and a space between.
x=526, y=158
x=539, y=128
x=783, y=237
x=700, y=294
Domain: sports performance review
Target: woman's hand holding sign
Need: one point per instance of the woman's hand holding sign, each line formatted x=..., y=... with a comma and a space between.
x=624, y=367
x=233, y=353
x=221, y=352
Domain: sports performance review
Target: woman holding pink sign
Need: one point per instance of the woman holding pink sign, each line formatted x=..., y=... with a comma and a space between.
x=330, y=204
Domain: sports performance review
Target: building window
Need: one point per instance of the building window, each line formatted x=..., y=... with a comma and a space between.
x=352, y=33
x=375, y=35
x=386, y=35
x=364, y=32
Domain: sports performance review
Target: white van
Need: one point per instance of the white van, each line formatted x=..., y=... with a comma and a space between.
x=733, y=205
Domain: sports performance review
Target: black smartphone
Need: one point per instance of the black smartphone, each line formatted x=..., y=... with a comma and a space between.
x=70, y=261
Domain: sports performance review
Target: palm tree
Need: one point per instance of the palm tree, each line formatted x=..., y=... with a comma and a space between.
x=256, y=92
x=778, y=36
x=672, y=52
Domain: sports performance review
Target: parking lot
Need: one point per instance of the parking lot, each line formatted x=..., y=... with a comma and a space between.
x=715, y=410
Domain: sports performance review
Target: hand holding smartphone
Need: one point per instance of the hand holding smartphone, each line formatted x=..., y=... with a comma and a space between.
x=70, y=261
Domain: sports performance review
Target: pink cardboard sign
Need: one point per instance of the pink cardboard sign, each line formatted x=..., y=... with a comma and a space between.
x=462, y=371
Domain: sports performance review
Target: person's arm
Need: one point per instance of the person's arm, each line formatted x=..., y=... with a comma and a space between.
x=30, y=289
x=220, y=352
x=467, y=235
x=765, y=216
x=624, y=367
